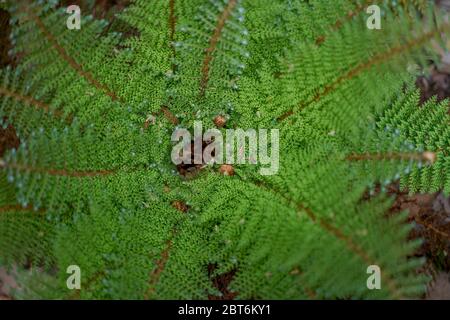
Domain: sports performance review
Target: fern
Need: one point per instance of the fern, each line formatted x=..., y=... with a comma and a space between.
x=92, y=183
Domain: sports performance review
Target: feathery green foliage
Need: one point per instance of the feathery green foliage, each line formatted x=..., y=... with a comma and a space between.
x=92, y=183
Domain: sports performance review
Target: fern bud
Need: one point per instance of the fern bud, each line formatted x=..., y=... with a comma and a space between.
x=226, y=170
x=180, y=206
x=220, y=121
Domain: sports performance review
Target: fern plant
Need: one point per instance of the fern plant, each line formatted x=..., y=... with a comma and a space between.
x=92, y=183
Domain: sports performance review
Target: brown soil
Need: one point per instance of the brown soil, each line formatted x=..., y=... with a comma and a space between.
x=435, y=85
x=8, y=139
x=221, y=283
x=431, y=216
x=5, y=44
x=189, y=171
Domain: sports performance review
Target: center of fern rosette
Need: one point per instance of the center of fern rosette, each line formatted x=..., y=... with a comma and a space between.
x=212, y=147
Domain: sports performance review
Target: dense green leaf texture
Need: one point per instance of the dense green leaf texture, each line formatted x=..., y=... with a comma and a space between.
x=92, y=183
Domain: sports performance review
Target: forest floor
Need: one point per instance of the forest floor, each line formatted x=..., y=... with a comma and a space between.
x=430, y=213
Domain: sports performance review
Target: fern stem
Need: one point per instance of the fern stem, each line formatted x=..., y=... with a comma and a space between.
x=172, y=28
x=19, y=208
x=27, y=100
x=213, y=44
x=431, y=227
x=375, y=60
x=338, y=234
x=170, y=116
x=160, y=265
x=353, y=247
x=56, y=172
x=65, y=56
x=429, y=157
x=339, y=23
